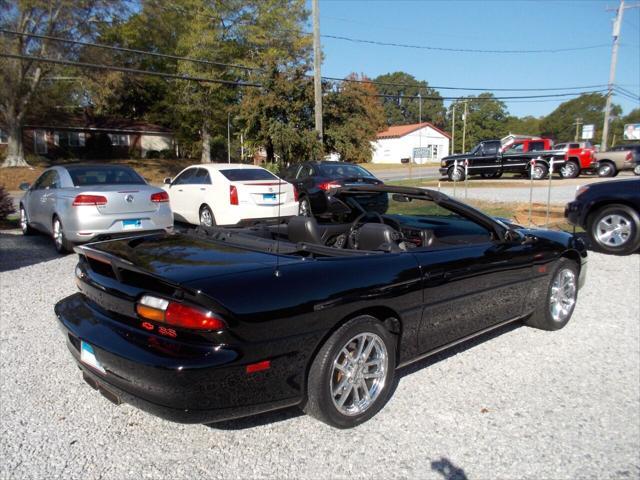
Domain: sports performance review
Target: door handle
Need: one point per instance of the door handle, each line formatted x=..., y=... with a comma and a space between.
x=179, y=189
x=201, y=188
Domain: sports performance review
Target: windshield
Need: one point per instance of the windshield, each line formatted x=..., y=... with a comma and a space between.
x=246, y=174
x=104, y=175
x=341, y=170
x=476, y=149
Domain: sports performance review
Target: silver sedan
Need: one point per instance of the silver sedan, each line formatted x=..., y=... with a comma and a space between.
x=82, y=203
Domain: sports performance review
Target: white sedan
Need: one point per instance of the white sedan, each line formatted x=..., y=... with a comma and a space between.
x=229, y=194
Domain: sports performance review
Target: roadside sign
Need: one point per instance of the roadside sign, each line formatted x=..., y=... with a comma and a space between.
x=587, y=132
x=632, y=131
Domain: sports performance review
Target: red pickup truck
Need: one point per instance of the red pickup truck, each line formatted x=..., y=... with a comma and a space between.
x=579, y=157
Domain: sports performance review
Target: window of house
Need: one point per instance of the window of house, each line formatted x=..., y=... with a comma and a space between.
x=119, y=140
x=4, y=138
x=40, y=141
x=69, y=139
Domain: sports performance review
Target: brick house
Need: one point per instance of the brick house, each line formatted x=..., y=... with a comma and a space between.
x=84, y=136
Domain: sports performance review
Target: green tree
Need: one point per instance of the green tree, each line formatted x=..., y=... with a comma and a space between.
x=589, y=107
x=353, y=114
x=486, y=120
x=527, y=125
x=400, y=104
x=22, y=79
x=278, y=117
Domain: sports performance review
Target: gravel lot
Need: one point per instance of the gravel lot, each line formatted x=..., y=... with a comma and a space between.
x=523, y=404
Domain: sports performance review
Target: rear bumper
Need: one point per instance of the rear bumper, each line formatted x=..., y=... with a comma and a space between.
x=84, y=224
x=179, y=381
x=239, y=215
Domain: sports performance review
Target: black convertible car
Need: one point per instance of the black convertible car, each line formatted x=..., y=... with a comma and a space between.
x=218, y=323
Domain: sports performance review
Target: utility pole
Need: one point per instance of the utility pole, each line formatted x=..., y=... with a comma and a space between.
x=317, y=60
x=578, y=123
x=464, y=126
x=453, y=129
x=228, y=137
x=617, y=25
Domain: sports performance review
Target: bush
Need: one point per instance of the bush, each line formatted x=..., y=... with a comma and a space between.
x=272, y=167
x=152, y=154
x=167, y=153
x=6, y=204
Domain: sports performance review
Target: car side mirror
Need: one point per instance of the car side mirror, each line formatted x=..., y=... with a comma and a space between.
x=24, y=186
x=167, y=181
x=400, y=198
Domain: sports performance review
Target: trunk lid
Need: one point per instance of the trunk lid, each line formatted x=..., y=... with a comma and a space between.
x=184, y=258
x=122, y=198
x=265, y=193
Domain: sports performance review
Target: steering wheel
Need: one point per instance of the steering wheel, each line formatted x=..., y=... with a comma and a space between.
x=351, y=243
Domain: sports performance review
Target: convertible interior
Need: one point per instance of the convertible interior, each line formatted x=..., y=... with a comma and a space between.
x=354, y=230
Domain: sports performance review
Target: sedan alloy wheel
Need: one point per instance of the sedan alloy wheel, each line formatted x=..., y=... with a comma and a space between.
x=359, y=373
x=563, y=295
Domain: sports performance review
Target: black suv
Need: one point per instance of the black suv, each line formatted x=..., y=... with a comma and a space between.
x=610, y=214
x=315, y=180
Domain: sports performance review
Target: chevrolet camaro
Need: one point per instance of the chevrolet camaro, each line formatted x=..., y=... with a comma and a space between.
x=219, y=323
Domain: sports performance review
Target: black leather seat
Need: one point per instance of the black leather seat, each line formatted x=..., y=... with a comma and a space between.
x=304, y=229
x=378, y=236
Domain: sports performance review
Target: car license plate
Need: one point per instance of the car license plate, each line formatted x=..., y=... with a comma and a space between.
x=269, y=196
x=131, y=224
x=88, y=357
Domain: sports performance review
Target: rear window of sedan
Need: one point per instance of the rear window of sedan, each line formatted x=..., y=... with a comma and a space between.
x=245, y=174
x=344, y=171
x=84, y=176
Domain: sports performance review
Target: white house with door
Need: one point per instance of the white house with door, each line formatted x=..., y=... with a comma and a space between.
x=418, y=142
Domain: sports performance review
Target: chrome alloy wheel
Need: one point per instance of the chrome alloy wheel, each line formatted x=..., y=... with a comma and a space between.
x=57, y=233
x=538, y=172
x=24, y=223
x=563, y=295
x=570, y=170
x=359, y=374
x=456, y=174
x=205, y=217
x=613, y=230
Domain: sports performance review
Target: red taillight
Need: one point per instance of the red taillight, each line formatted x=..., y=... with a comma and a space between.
x=177, y=314
x=628, y=157
x=258, y=367
x=81, y=200
x=160, y=197
x=328, y=185
x=295, y=194
x=233, y=195
x=191, y=317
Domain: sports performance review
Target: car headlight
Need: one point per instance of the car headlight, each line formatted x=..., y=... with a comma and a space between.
x=443, y=163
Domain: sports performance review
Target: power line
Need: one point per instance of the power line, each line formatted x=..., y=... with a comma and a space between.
x=245, y=67
x=463, y=50
x=130, y=70
x=247, y=84
x=439, y=87
x=128, y=50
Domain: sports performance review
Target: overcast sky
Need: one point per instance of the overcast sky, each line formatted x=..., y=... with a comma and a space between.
x=484, y=25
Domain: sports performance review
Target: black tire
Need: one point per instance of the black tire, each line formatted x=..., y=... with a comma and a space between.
x=540, y=171
x=24, y=222
x=456, y=174
x=322, y=375
x=622, y=217
x=542, y=317
x=304, y=207
x=60, y=242
x=636, y=170
x=206, y=216
x=607, y=169
x=571, y=169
